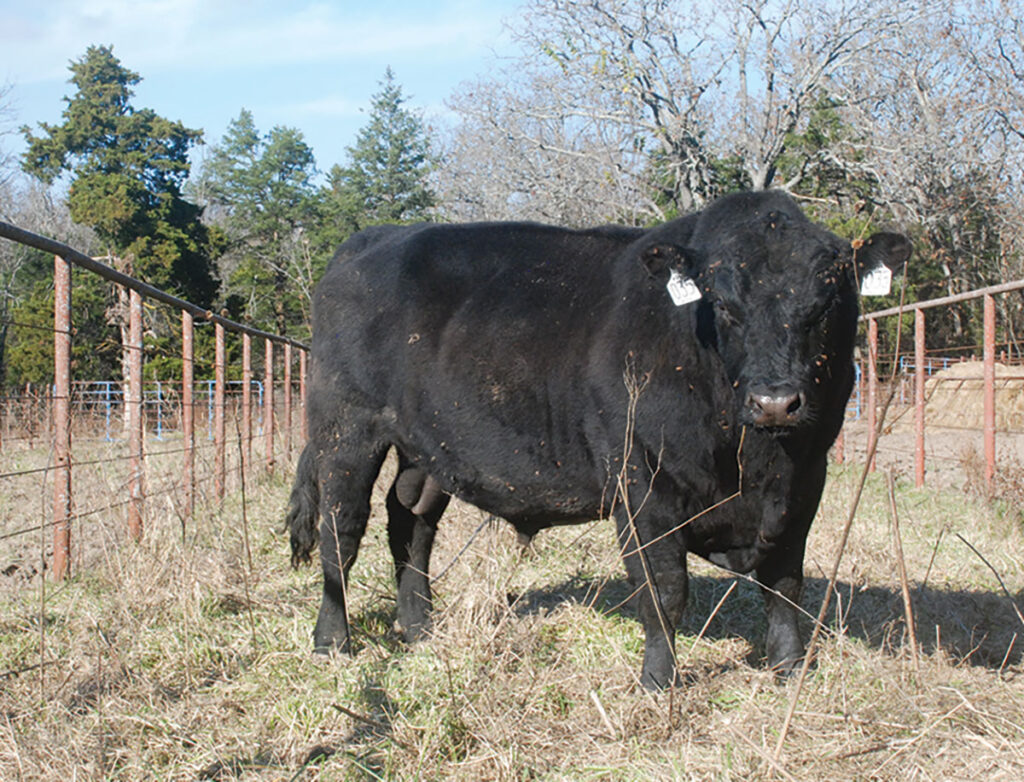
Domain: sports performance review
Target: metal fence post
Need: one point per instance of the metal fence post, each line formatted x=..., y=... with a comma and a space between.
x=219, y=469
x=62, y=428
x=989, y=352
x=268, y=409
x=919, y=397
x=246, y=402
x=188, y=412
x=303, y=355
x=134, y=409
x=288, y=400
x=872, y=388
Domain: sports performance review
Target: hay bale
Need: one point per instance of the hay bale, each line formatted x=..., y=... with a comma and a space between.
x=956, y=396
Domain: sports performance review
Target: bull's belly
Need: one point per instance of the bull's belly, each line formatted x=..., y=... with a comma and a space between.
x=532, y=493
x=528, y=504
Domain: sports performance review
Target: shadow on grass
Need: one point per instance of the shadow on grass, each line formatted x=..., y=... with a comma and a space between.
x=976, y=627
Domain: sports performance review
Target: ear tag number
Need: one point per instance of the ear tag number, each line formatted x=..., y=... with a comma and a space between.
x=682, y=289
x=877, y=282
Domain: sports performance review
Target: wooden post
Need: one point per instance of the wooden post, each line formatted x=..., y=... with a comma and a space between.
x=268, y=404
x=872, y=389
x=219, y=470
x=990, y=391
x=62, y=416
x=134, y=410
x=919, y=379
x=188, y=412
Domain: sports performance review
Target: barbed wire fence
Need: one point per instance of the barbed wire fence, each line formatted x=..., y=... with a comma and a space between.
x=138, y=463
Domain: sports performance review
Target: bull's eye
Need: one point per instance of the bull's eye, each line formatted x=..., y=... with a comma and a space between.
x=821, y=315
x=722, y=313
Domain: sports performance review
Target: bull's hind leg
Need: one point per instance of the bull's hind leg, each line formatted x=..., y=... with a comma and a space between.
x=346, y=481
x=415, y=504
x=657, y=573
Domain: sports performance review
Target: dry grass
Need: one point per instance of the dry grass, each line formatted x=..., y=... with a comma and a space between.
x=171, y=659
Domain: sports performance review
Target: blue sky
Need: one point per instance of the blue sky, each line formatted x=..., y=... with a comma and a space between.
x=305, y=64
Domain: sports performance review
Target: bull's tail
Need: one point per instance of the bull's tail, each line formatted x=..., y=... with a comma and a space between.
x=303, y=508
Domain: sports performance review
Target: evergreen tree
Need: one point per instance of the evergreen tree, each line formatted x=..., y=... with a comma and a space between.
x=390, y=163
x=127, y=167
x=261, y=187
x=95, y=349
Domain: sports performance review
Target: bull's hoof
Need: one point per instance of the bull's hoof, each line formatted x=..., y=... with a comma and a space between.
x=786, y=668
x=328, y=649
x=655, y=682
x=660, y=673
x=414, y=632
x=331, y=644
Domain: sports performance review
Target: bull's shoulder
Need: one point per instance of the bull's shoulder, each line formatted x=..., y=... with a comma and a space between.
x=374, y=237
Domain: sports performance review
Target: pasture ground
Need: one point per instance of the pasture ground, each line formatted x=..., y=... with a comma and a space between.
x=179, y=658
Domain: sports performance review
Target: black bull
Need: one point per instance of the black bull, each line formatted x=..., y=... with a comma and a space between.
x=548, y=376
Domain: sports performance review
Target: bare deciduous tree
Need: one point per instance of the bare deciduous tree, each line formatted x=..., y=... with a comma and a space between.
x=6, y=129
x=657, y=92
x=515, y=158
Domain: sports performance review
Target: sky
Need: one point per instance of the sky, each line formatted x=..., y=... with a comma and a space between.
x=304, y=64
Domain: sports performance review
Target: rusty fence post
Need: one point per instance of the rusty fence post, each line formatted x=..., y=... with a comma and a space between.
x=219, y=470
x=872, y=389
x=134, y=409
x=304, y=429
x=268, y=404
x=288, y=400
x=990, y=391
x=62, y=414
x=919, y=359
x=188, y=412
x=246, y=402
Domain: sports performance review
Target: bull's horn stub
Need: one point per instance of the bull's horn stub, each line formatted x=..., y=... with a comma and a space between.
x=682, y=289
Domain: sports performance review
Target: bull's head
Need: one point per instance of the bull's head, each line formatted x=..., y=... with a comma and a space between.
x=778, y=300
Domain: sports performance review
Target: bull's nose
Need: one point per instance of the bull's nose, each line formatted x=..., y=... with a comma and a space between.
x=775, y=409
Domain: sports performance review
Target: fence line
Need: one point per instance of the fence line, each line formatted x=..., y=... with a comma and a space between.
x=987, y=295
x=63, y=510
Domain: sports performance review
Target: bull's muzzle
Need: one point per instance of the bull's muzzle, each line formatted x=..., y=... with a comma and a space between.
x=776, y=407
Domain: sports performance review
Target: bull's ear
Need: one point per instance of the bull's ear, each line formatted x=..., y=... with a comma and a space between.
x=659, y=259
x=882, y=249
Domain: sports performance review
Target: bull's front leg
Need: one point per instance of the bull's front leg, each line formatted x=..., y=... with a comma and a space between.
x=656, y=567
x=781, y=571
x=781, y=578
